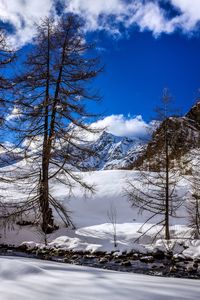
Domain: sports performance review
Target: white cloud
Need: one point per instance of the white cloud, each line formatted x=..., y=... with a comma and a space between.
x=189, y=14
x=120, y=125
x=147, y=15
x=106, y=15
x=151, y=17
x=22, y=15
x=98, y=13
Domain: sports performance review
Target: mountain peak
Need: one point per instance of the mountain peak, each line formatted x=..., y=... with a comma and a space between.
x=109, y=137
x=113, y=152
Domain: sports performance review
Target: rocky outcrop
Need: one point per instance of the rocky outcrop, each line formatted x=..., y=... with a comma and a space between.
x=183, y=135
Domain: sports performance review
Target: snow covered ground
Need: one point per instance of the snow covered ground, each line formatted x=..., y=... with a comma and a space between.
x=28, y=279
x=94, y=230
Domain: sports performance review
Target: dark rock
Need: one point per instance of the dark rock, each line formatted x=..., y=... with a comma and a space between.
x=173, y=269
x=190, y=269
x=118, y=261
x=147, y=259
x=178, y=258
x=135, y=256
x=195, y=265
x=103, y=260
x=158, y=255
x=75, y=256
x=24, y=223
x=22, y=248
x=126, y=263
x=169, y=254
x=100, y=253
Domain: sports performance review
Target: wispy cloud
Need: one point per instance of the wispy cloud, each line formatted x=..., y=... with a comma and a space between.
x=107, y=15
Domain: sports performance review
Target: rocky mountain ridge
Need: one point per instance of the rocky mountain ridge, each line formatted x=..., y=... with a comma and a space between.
x=183, y=136
x=112, y=152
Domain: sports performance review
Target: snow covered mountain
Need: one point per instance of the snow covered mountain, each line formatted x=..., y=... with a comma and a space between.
x=112, y=152
x=127, y=153
x=106, y=152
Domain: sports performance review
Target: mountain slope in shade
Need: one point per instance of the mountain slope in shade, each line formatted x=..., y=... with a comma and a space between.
x=183, y=136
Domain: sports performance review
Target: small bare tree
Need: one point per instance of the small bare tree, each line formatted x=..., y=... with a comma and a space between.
x=193, y=202
x=155, y=190
x=112, y=217
x=193, y=209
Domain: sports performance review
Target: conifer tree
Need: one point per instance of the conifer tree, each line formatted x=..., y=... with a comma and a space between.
x=155, y=189
x=51, y=96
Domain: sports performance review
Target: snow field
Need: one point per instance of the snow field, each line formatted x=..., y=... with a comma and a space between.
x=28, y=279
x=94, y=231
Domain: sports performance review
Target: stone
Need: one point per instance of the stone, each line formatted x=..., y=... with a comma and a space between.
x=173, y=269
x=158, y=255
x=147, y=259
x=126, y=263
x=103, y=260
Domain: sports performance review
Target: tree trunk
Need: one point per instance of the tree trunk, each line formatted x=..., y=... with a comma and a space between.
x=46, y=211
x=197, y=214
x=47, y=216
x=167, y=232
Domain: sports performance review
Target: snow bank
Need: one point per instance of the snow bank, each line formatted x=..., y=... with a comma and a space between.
x=28, y=279
x=193, y=250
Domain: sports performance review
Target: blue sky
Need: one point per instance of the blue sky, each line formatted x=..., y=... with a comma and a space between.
x=139, y=67
x=145, y=46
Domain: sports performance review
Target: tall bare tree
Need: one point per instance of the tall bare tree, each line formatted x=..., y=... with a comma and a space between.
x=51, y=96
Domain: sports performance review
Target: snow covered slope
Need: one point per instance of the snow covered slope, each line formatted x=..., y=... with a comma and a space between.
x=94, y=230
x=28, y=279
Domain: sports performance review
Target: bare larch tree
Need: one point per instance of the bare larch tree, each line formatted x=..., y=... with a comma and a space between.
x=155, y=189
x=51, y=95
